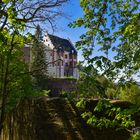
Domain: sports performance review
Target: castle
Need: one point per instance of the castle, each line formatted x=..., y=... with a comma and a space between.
x=60, y=53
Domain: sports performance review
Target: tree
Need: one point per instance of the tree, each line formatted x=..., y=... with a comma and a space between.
x=93, y=85
x=12, y=77
x=39, y=64
x=130, y=92
x=113, y=26
x=27, y=12
x=16, y=16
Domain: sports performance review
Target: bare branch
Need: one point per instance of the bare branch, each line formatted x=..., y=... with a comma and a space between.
x=32, y=11
x=37, y=7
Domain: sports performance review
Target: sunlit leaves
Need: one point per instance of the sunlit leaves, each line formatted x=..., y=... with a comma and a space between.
x=107, y=115
x=111, y=25
x=6, y=1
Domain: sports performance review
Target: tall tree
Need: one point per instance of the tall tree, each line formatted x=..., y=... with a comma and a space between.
x=14, y=83
x=39, y=64
x=112, y=27
x=15, y=17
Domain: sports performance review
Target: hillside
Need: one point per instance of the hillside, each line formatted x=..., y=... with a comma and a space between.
x=44, y=118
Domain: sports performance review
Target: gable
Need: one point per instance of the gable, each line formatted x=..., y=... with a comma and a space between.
x=62, y=44
x=48, y=42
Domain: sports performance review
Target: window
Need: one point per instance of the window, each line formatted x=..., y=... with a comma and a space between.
x=66, y=64
x=66, y=56
x=71, y=65
x=70, y=56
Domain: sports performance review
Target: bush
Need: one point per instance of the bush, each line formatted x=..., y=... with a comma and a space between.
x=108, y=115
x=92, y=86
x=130, y=93
x=135, y=137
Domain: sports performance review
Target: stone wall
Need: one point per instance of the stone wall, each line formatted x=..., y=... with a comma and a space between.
x=57, y=86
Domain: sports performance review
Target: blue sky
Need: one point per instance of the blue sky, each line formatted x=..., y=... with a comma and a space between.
x=73, y=11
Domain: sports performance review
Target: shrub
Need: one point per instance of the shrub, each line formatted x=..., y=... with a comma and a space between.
x=130, y=93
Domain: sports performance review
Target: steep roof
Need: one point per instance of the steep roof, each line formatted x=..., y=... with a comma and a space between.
x=62, y=44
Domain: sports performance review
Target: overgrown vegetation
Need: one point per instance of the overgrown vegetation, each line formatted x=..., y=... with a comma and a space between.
x=15, y=79
x=112, y=27
x=39, y=64
x=98, y=86
x=107, y=115
x=16, y=16
x=135, y=137
x=104, y=114
x=95, y=86
x=130, y=92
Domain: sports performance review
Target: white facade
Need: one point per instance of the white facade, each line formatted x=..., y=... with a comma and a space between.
x=62, y=63
x=60, y=54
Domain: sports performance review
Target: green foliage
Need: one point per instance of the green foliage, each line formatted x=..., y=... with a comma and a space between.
x=135, y=137
x=81, y=103
x=112, y=26
x=43, y=93
x=94, y=85
x=101, y=105
x=15, y=80
x=89, y=86
x=39, y=64
x=106, y=115
x=111, y=92
x=131, y=93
